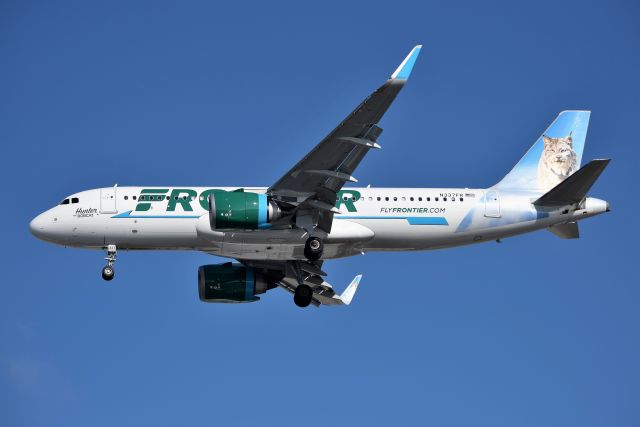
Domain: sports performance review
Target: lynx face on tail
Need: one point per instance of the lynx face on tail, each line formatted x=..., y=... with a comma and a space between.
x=557, y=162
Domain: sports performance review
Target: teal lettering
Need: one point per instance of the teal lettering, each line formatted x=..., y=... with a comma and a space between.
x=149, y=195
x=349, y=202
x=182, y=197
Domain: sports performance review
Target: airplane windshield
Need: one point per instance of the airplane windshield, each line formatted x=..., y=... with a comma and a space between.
x=71, y=200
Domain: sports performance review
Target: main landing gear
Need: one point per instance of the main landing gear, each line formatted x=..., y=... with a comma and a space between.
x=107, y=271
x=303, y=294
x=313, y=248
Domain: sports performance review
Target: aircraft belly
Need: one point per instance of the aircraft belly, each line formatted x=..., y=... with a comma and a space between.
x=275, y=245
x=280, y=244
x=256, y=251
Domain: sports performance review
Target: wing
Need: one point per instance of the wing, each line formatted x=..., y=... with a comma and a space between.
x=311, y=186
x=294, y=273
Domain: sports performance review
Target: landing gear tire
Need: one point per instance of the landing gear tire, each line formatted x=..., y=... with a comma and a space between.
x=108, y=273
x=303, y=295
x=313, y=248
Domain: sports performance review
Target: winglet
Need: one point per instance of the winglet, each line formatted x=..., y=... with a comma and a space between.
x=404, y=70
x=350, y=291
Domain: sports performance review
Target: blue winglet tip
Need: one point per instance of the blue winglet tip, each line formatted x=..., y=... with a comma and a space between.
x=404, y=70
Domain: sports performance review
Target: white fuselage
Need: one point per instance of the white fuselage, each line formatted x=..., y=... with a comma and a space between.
x=381, y=219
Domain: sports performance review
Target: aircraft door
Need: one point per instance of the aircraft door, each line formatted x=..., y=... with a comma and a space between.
x=108, y=200
x=492, y=204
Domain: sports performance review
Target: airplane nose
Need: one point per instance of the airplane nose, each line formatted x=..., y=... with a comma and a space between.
x=37, y=226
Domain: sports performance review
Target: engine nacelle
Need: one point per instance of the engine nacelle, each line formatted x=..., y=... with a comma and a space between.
x=231, y=283
x=241, y=210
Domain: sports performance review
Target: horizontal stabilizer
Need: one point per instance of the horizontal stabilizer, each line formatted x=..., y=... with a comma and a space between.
x=568, y=230
x=575, y=187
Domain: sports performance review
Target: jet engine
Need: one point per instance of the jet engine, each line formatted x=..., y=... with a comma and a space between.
x=232, y=283
x=242, y=210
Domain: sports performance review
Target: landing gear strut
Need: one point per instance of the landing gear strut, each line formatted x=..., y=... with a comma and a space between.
x=303, y=295
x=313, y=248
x=107, y=271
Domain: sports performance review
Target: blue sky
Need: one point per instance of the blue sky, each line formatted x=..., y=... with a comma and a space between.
x=534, y=331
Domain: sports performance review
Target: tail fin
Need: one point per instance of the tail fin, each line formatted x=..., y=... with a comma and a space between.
x=555, y=155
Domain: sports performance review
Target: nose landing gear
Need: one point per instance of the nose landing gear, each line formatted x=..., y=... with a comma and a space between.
x=107, y=271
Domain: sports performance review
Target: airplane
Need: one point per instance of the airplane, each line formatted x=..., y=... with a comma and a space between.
x=281, y=235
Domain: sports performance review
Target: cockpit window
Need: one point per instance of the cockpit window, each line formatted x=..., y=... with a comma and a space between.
x=75, y=200
x=65, y=202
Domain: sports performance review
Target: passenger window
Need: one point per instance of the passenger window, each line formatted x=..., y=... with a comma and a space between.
x=404, y=199
x=386, y=199
x=419, y=199
x=428, y=199
x=65, y=202
x=370, y=198
x=395, y=199
x=436, y=199
x=75, y=200
x=126, y=197
x=411, y=199
x=461, y=199
x=379, y=199
x=444, y=199
x=135, y=197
